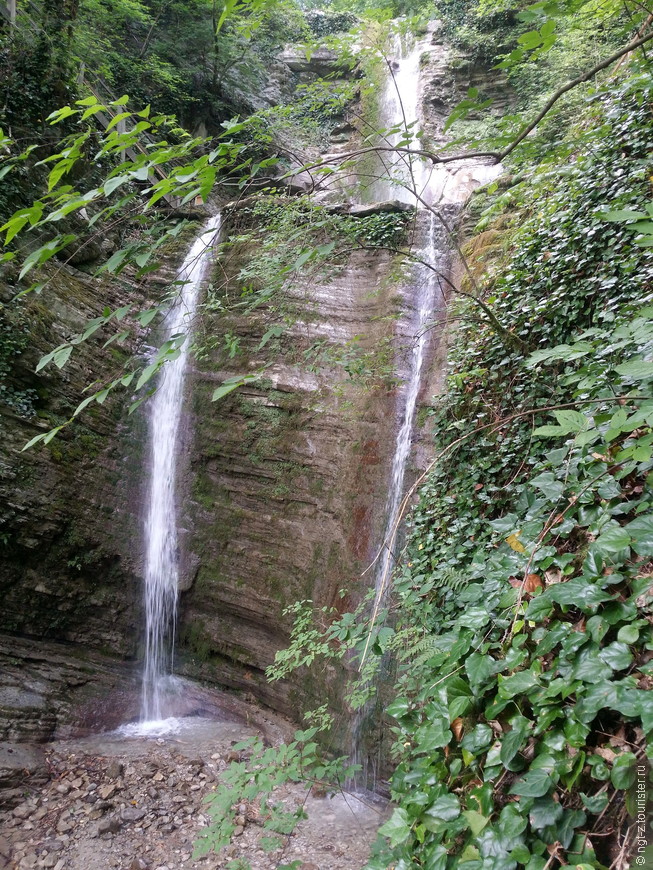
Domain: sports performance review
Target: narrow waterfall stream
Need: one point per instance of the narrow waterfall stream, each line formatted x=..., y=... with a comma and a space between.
x=444, y=189
x=161, y=539
x=399, y=109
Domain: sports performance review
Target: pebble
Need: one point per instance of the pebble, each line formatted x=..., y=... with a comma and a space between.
x=115, y=769
x=110, y=825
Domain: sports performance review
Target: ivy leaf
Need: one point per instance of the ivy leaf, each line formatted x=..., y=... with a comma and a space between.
x=544, y=812
x=478, y=740
x=641, y=532
x=514, y=739
x=628, y=634
x=479, y=669
x=397, y=828
x=617, y=656
x=446, y=808
x=536, y=784
x=517, y=684
x=624, y=772
x=548, y=484
x=476, y=821
x=613, y=540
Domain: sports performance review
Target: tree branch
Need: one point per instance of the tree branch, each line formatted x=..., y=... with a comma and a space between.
x=569, y=86
x=497, y=156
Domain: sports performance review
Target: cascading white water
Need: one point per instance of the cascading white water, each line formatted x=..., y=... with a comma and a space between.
x=398, y=116
x=161, y=545
x=401, y=177
x=399, y=108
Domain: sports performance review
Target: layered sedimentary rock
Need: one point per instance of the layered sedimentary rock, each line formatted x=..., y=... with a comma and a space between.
x=285, y=481
x=67, y=570
x=288, y=484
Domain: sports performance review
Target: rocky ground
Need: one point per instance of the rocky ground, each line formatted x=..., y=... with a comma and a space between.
x=134, y=803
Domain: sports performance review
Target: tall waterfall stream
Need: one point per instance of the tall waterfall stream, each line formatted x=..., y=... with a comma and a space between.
x=161, y=539
x=444, y=190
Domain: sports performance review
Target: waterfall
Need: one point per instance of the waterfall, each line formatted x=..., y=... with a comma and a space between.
x=448, y=188
x=399, y=108
x=398, y=114
x=161, y=538
x=401, y=177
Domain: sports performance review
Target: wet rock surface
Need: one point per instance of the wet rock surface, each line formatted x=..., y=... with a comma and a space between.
x=140, y=804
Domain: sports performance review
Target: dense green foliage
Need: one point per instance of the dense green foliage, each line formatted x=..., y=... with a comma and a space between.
x=185, y=58
x=524, y=601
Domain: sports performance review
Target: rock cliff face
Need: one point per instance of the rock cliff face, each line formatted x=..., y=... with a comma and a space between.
x=68, y=570
x=289, y=479
x=288, y=484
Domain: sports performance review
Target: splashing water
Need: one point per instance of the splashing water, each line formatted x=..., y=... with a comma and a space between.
x=161, y=555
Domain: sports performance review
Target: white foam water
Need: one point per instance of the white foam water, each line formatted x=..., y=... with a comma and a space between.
x=161, y=539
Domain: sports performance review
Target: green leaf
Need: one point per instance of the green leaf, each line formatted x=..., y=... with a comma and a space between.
x=232, y=384
x=112, y=184
x=636, y=370
x=478, y=740
x=623, y=214
x=517, y=684
x=146, y=374
x=613, y=540
x=397, y=828
x=85, y=403
x=544, y=812
x=595, y=804
x=479, y=669
x=513, y=741
x=530, y=40
x=628, y=634
x=624, y=771
x=572, y=421
x=446, y=808
x=302, y=259
x=476, y=821
x=641, y=532
x=548, y=484
x=62, y=356
x=33, y=441
x=617, y=656
x=536, y=784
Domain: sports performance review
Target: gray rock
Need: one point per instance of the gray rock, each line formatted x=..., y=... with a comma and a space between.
x=389, y=205
x=132, y=814
x=321, y=62
x=21, y=765
x=115, y=769
x=110, y=825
